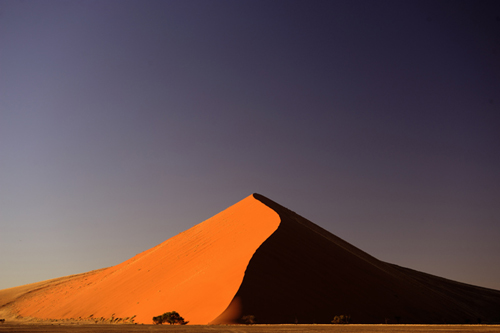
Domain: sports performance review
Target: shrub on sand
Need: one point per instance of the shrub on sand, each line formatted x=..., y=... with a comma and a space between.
x=249, y=319
x=169, y=317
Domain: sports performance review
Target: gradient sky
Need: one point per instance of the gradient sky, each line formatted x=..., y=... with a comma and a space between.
x=123, y=123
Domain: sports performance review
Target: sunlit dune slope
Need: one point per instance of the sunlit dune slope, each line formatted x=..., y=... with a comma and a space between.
x=304, y=274
x=195, y=273
x=256, y=258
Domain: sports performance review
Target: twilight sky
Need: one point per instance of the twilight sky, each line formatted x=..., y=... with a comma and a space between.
x=123, y=123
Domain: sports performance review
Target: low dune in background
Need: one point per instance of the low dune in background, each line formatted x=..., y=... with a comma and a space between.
x=255, y=258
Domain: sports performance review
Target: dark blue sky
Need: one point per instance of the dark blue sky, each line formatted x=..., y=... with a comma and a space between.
x=123, y=123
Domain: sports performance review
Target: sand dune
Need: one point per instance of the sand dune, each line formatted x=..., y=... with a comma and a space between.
x=258, y=258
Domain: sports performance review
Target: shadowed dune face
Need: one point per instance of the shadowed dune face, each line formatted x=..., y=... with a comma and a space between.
x=305, y=274
x=195, y=273
x=256, y=258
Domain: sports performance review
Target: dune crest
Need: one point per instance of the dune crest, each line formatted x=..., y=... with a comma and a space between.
x=256, y=258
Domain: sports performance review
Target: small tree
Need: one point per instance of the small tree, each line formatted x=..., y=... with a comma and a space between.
x=169, y=317
x=249, y=319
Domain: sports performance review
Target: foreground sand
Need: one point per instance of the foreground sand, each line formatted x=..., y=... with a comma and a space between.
x=252, y=329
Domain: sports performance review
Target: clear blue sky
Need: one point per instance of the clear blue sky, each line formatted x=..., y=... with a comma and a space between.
x=123, y=123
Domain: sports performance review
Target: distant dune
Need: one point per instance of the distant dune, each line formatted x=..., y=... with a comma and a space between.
x=255, y=258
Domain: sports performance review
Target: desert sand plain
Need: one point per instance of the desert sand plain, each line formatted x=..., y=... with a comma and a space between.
x=89, y=328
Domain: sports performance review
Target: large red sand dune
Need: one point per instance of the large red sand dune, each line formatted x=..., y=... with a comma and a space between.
x=255, y=258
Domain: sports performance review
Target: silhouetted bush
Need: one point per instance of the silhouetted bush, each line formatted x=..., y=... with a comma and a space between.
x=249, y=319
x=341, y=319
x=169, y=317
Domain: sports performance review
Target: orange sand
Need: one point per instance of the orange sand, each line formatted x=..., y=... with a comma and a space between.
x=195, y=273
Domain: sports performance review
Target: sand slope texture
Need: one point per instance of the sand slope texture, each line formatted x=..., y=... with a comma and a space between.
x=255, y=258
